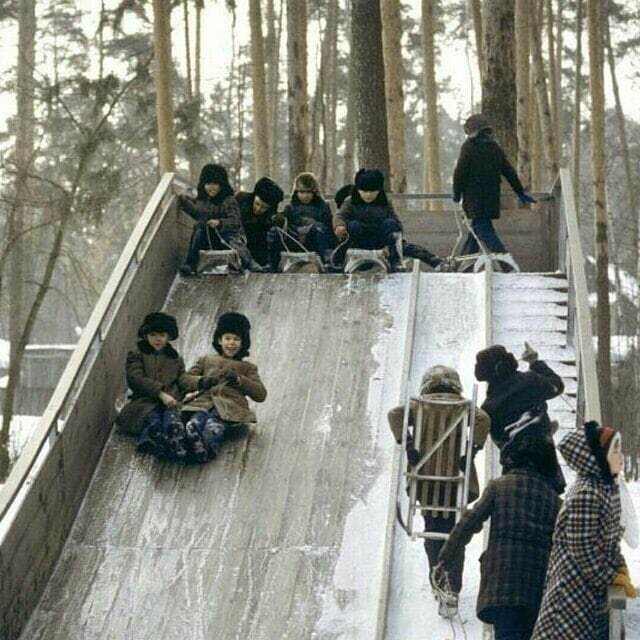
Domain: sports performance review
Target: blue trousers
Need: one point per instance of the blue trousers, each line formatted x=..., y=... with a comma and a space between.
x=162, y=434
x=365, y=236
x=513, y=623
x=206, y=431
x=483, y=228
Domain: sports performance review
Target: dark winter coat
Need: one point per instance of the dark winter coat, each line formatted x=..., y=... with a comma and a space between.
x=226, y=210
x=148, y=373
x=256, y=227
x=230, y=402
x=301, y=217
x=523, y=510
x=481, y=431
x=369, y=215
x=586, y=552
x=508, y=398
x=476, y=177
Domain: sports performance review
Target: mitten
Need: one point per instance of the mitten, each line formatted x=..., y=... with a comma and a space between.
x=206, y=382
x=529, y=354
x=232, y=378
x=279, y=220
x=413, y=456
x=622, y=579
x=526, y=198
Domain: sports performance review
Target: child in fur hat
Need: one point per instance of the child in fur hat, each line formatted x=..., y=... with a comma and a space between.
x=409, y=249
x=224, y=381
x=257, y=210
x=516, y=400
x=156, y=379
x=476, y=180
x=586, y=556
x=307, y=219
x=523, y=508
x=217, y=215
x=441, y=384
x=367, y=218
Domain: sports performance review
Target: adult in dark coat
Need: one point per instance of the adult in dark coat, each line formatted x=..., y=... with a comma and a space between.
x=517, y=399
x=409, y=249
x=523, y=509
x=257, y=210
x=586, y=555
x=306, y=221
x=476, y=180
x=217, y=215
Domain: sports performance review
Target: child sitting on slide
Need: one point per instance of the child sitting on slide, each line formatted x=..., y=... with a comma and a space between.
x=223, y=381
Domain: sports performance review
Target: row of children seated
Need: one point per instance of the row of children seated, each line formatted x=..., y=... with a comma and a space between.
x=258, y=229
x=547, y=565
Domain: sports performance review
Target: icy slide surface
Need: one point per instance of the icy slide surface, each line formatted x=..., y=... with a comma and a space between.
x=283, y=535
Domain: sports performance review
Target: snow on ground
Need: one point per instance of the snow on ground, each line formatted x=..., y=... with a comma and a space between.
x=632, y=556
x=4, y=354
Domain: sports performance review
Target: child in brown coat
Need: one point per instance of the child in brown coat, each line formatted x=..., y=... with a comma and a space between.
x=156, y=378
x=223, y=381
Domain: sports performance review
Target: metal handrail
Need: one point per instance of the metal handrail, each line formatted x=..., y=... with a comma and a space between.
x=49, y=424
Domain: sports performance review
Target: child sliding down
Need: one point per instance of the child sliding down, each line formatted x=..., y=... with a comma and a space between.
x=223, y=381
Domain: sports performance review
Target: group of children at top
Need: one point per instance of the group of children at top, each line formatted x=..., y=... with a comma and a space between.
x=253, y=224
x=547, y=565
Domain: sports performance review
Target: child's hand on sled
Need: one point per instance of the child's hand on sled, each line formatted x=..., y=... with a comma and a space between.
x=206, y=382
x=167, y=400
x=622, y=579
x=192, y=395
x=341, y=233
x=413, y=456
x=232, y=378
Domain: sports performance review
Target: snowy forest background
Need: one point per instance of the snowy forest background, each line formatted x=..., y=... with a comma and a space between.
x=271, y=87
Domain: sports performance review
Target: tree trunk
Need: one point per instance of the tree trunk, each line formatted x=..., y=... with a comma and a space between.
x=331, y=100
x=595, y=19
x=542, y=97
x=432, y=177
x=476, y=11
x=273, y=58
x=163, y=84
x=394, y=76
x=350, y=120
x=577, y=105
x=198, y=61
x=558, y=67
x=537, y=151
x=499, y=76
x=523, y=73
x=258, y=82
x=187, y=48
x=553, y=78
x=371, y=118
x=18, y=215
x=297, y=86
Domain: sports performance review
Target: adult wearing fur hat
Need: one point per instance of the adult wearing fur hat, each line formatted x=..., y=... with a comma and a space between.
x=224, y=381
x=217, y=215
x=516, y=399
x=257, y=210
x=305, y=221
x=441, y=384
x=586, y=556
x=367, y=217
x=409, y=250
x=476, y=181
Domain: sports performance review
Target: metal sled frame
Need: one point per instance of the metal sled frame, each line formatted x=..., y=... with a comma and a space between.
x=375, y=259
x=298, y=262
x=438, y=433
x=476, y=262
x=219, y=262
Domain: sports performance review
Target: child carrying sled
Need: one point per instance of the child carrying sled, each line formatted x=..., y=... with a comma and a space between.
x=156, y=378
x=223, y=381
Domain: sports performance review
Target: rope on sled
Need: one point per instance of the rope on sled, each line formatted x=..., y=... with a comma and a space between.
x=282, y=231
x=442, y=589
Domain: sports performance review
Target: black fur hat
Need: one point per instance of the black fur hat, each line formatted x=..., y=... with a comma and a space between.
x=369, y=180
x=268, y=191
x=239, y=325
x=343, y=193
x=214, y=173
x=159, y=322
x=495, y=363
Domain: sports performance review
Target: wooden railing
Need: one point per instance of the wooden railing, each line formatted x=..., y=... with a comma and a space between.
x=40, y=499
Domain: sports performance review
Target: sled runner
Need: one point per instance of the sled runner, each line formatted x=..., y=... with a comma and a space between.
x=302, y=261
x=219, y=261
x=444, y=431
x=373, y=260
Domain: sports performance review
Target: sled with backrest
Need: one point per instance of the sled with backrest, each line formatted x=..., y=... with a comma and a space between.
x=444, y=430
x=219, y=261
x=294, y=261
x=373, y=260
x=475, y=262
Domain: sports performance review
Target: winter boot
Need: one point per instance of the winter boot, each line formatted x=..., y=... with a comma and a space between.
x=187, y=270
x=448, y=605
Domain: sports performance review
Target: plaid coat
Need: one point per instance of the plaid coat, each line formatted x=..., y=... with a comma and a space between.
x=523, y=508
x=586, y=552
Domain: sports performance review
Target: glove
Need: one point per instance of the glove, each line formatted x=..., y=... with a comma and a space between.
x=206, y=382
x=232, y=378
x=526, y=198
x=279, y=220
x=622, y=579
x=413, y=456
x=341, y=233
x=529, y=354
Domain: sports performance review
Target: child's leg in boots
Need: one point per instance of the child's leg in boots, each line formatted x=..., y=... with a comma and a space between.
x=513, y=623
x=175, y=435
x=433, y=547
x=150, y=439
x=194, y=444
x=213, y=432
